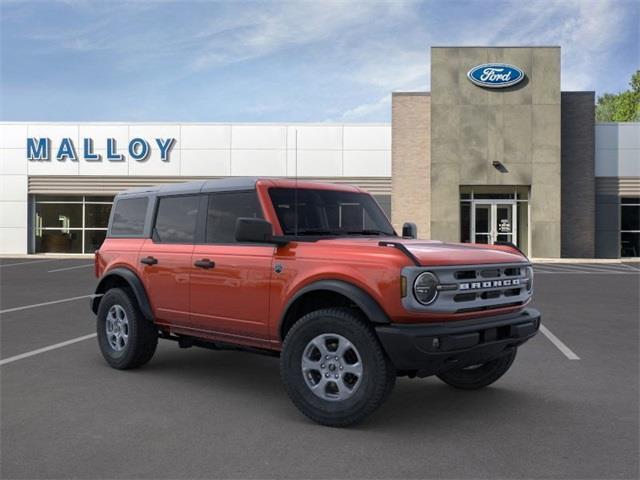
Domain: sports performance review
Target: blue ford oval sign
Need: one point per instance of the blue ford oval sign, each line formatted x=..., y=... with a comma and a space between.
x=495, y=75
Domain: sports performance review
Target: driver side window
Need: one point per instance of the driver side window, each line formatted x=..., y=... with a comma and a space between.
x=224, y=209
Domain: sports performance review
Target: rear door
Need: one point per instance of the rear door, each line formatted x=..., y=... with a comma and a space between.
x=230, y=281
x=165, y=259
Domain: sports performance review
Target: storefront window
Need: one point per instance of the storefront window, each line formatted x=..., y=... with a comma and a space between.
x=70, y=224
x=59, y=241
x=630, y=227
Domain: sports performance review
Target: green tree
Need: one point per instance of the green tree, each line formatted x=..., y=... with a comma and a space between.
x=621, y=107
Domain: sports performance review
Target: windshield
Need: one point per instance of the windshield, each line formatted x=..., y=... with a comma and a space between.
x=328, y=212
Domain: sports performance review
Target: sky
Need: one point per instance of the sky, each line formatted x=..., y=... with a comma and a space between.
x=276, y=61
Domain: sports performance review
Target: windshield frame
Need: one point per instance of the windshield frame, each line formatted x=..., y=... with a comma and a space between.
x=382, y=225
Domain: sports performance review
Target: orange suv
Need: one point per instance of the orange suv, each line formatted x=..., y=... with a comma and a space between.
x=316, y=274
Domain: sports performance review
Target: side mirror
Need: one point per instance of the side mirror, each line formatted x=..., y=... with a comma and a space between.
x=256, y=230
x=409, y=230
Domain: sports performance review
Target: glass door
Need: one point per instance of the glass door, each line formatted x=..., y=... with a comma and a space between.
x=494, y=221
x=482, y=223
x=503, y=222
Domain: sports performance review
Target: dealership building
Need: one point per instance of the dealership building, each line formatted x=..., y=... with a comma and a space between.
x=494, y=152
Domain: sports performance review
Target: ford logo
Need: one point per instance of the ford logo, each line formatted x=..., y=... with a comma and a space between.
x=495, y=75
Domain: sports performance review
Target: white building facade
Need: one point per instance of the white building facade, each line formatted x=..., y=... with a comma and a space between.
x=57, y=180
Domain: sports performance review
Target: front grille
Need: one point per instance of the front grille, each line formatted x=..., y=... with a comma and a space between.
x=474, y=287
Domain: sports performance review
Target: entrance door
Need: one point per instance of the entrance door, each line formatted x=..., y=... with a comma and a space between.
x=504, y=216
x=494, y=221
x=482, y=223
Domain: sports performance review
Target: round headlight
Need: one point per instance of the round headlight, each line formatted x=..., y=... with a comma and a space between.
x=529, y=274
x=425, y=288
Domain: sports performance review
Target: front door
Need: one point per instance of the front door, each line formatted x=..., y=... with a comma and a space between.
x=230, y=281
x=494, y=221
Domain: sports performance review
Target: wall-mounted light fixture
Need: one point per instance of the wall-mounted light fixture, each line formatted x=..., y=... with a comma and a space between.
x=499, y=166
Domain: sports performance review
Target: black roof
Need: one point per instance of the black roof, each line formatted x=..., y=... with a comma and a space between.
x=199, y=186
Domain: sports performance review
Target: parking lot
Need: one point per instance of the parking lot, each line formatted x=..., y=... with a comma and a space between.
x=567, y=409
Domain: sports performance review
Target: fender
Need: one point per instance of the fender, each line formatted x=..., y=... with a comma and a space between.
x=134, y=283
x=362, y=299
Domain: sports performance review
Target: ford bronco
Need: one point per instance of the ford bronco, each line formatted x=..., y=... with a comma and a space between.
x=312, y=272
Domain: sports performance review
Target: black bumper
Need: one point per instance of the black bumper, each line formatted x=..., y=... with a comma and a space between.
x=428, y=349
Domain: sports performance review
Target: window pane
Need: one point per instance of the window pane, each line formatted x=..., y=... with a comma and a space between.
x=93, y=239
x=328, y=212
x=630, y=244
x=57, y=241
x=129, y=215
x=59, y=215
x=483, y=214
x=630, y=217
x=631, y=200
x=96, y=215
x=225, y=209
x=99, y=199
x=494, y=196
x=385, y=203
x=465, y=222
x=58, y=198
x=176, y=219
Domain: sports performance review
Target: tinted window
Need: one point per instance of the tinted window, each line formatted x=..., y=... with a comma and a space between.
x=128, y=216
x=176, y=219
x=630, y=217
x=328, y=212
x=225, y=209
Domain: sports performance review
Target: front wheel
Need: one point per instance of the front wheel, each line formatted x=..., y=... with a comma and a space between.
x=479, y=376
x=334, y=369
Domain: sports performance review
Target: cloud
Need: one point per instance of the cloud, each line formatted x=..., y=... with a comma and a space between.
x=365, y=111
x=302, y=60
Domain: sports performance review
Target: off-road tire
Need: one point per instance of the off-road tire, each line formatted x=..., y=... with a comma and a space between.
x=482, y=376
x=142, y=334
x=378, y=377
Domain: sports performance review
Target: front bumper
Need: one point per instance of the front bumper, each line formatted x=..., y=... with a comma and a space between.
x=428, y=349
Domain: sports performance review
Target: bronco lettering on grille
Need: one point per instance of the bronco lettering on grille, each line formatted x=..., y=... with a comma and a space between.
x=489, y=284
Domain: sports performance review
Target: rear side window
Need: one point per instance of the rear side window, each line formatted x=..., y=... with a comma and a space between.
x=176, y=219
x=225, y=209
x=128, y=217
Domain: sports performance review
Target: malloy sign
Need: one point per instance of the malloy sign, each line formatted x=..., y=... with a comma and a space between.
x=40, y=149
x=495, y=75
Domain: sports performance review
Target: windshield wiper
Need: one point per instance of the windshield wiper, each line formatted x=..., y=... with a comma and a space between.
x=369, y=232
x=313, y=231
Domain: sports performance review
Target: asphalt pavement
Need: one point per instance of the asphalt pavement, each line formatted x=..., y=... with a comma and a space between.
x=194, y=413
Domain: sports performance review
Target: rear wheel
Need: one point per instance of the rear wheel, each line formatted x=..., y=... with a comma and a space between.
x=334, y=369
x=126, y=338
x=479, y=376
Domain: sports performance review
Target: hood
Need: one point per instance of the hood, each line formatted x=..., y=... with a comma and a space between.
x=433, y=253
x=440, y=253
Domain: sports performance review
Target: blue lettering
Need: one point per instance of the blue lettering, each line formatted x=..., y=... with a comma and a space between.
x=138, y=149
x=89, y=155
x=165, y=147
x=39, y=151
x=66, y=151
x=112, y=155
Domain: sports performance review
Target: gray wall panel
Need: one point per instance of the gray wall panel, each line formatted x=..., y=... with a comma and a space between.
x=578, y=174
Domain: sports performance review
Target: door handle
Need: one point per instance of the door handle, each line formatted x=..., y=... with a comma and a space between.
x=205, y=263
x=149, y=260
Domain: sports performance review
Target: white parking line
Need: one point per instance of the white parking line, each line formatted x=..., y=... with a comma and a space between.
x=559, y=344
x=15, y=358
x=44, y=304
x=27, y=263
x=71, y=268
